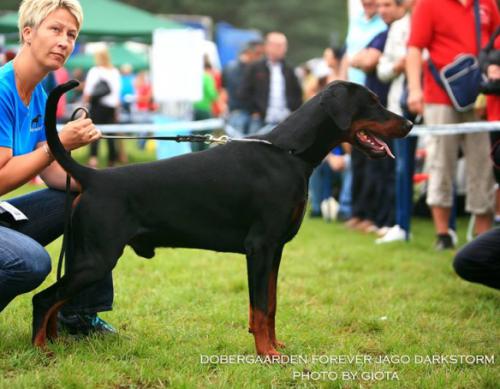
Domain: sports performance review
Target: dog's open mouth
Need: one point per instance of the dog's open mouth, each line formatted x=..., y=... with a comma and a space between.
x=374, y=146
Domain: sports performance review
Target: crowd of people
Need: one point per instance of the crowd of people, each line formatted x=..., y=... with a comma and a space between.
x=380, y=53
x=112, y=95
x=387, y=49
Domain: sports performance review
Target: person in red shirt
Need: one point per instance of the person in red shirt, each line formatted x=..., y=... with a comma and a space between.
x=446, y=28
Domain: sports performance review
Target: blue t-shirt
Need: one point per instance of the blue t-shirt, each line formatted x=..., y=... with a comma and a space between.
x=127, y=86
x=361, y=32
x=372, y=82
x=21, y=127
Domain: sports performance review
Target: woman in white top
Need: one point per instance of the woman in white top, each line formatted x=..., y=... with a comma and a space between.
x=103, y=109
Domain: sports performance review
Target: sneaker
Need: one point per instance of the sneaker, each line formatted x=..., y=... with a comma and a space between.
x=394, y=234
x=382, y=231
x=329, y=209
x=84, y=324
x=446, y=241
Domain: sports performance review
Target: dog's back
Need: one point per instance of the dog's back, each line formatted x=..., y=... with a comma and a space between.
x=205, y=200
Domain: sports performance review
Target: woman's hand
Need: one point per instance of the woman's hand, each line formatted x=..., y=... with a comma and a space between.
x=78, y=133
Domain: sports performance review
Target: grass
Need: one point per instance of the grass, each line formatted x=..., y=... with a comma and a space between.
x=339, y=295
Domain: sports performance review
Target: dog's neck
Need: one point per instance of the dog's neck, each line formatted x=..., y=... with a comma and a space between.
x=308, y=133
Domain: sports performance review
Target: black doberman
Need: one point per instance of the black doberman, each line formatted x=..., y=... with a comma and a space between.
x=242, y=197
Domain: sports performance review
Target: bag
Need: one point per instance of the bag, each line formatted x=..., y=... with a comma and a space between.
x=462, y=78
x=101, y=89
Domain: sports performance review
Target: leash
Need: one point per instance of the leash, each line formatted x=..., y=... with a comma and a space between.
x=67, y=208
x=208, y=139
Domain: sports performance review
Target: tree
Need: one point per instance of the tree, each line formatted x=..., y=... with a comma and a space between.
x=309, y=25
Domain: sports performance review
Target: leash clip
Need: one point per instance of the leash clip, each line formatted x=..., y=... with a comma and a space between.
x=221, y=140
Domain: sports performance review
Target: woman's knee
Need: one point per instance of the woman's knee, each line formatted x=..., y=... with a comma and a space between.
x=27, y=267
x=41, y=268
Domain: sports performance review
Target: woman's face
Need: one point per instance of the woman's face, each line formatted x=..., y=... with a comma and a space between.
x=53, y=40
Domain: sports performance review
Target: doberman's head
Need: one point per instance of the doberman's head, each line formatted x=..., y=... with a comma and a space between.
x=357, y=112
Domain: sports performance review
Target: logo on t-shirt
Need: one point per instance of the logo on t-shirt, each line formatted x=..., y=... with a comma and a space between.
x=36, y=123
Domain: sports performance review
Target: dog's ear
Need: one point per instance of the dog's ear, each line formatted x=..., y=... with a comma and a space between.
x=335, y=102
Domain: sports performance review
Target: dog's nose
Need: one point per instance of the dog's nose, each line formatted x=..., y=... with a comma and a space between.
x=408, y=125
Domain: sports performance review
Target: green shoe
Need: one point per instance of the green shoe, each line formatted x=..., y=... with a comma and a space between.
x=84, y=324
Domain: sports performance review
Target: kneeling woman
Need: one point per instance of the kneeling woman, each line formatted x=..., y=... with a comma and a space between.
x=48, y=30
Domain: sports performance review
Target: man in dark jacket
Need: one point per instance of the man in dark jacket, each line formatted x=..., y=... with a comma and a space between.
x=270, y=87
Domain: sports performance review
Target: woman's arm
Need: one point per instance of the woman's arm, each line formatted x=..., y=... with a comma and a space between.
x=54, y=176
x=18, y=170
x=414, y=76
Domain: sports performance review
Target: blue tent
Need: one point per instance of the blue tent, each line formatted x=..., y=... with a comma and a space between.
x=231, y=40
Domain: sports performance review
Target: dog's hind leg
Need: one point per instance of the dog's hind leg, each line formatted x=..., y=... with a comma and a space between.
x=272, y=289
x=45, y=308
x=250, y=299
x=52, y=323
x=47, y=303
x=260, y=265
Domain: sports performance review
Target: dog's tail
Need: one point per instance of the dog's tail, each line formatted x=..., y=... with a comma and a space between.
x=79, y=172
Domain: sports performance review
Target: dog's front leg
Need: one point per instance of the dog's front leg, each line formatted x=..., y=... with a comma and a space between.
x=260, y=267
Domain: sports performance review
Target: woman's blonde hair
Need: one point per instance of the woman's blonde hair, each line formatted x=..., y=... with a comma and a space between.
x=102, y=58
x=33, y=12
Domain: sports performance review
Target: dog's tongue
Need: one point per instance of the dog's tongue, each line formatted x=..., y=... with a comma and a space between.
x=384, y=146
x=388, y=150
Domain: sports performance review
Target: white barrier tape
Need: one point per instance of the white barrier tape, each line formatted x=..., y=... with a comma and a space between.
x=215, y=124
x=199, y=125
x=454, y=129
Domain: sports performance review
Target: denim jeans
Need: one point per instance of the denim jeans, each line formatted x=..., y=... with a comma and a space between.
x=258, y=127
x=24, y=263
x=345, y=199
x=320, y=186
x=239, y=120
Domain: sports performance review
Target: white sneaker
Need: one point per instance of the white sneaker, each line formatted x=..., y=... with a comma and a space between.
x=395, y=233
x=330, y=209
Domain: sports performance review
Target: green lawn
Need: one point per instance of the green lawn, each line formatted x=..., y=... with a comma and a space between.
x=339, y=296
